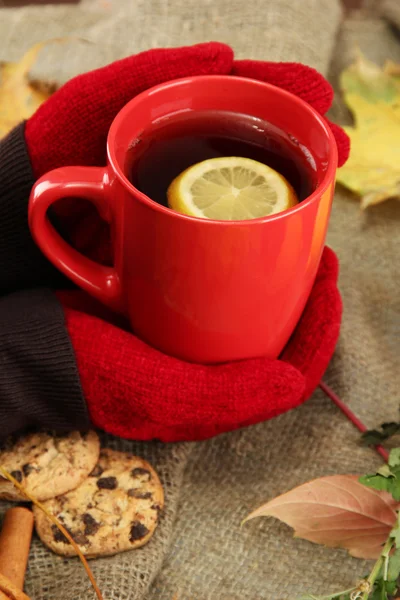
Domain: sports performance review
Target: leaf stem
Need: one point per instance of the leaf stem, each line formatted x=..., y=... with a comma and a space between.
x=385, y=567
x=330, y=596
x=365, y=588
x=338, y=595
x=377, y=567
x=346, y=410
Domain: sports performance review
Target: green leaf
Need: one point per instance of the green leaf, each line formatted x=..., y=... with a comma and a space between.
x=394, y=565
x=376, y=481
x=395, y=471
x=394, y=488
x=390, y=429
x=395, y=534
x=372, y=437
x=382, y=483
x=394, y=458
x=391, y=587
x=380, y=590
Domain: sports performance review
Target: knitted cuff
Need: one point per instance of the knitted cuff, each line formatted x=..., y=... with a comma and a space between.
x=39, y=380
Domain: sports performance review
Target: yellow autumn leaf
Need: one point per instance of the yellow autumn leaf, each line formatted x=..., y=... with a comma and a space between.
x=19, y=99
x=392, y=68
x=373, y=96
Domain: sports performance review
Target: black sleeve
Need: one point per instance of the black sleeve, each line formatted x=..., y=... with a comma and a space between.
x=39, y=380
x=22, y=265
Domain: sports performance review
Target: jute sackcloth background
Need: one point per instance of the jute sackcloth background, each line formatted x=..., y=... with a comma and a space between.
x=200, y=552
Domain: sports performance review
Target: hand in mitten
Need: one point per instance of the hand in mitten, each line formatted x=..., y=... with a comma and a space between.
x=134, y=391
x=71, y=129
x=303, y=81
x=130, y=389
x=51, y=352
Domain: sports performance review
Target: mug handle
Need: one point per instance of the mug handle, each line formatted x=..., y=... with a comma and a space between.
x=91, y=183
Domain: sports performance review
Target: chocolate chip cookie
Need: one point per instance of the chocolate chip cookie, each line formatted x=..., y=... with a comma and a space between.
x=48, y=465
x=115, y=509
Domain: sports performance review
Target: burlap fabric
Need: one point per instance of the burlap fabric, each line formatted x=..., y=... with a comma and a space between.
x=116, y=28
x=200, y=552
x=391, y=10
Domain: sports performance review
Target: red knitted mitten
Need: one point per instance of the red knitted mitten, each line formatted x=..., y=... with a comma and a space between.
x=136, y=392
x=131, y=389
x=71, y=127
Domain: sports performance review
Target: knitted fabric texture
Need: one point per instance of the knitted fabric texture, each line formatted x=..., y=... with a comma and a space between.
x=39, y=386
x=133, y=390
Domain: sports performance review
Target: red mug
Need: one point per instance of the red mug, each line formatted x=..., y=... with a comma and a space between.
x=202, y=290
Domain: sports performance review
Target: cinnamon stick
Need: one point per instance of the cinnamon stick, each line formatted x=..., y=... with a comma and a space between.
x=9, y=591
x=15, y=541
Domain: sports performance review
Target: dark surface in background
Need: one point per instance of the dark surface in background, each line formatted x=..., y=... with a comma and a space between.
x=371, y=5
x=16, y=3
x=349, y=4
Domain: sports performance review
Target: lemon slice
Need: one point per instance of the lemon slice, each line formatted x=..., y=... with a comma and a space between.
x=230, y=188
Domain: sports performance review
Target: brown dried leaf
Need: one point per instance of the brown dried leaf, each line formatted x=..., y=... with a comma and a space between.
x=336, y=511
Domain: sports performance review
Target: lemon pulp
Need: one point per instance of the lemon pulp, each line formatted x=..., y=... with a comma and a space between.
x=230, y=188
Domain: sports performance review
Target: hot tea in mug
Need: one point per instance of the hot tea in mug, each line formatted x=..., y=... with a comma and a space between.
x=177, y=142
x=219, y=287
